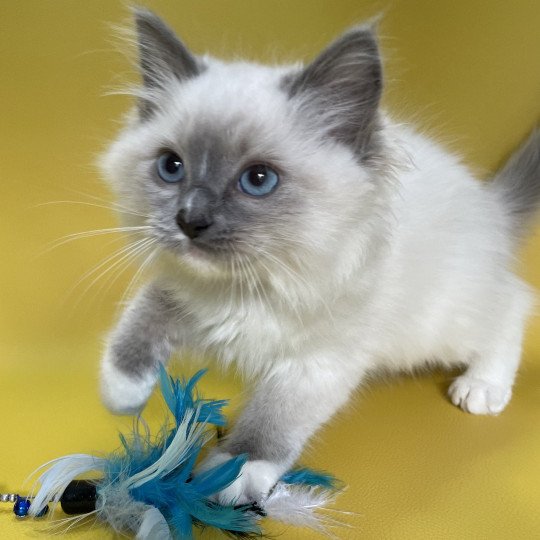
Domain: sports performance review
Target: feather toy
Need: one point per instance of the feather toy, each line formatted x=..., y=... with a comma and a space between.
x=149, y=488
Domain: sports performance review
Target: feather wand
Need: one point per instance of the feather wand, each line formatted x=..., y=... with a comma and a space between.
x=149, y=487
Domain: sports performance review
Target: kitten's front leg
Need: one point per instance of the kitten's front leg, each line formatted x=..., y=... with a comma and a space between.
x=285, y=411
x=144, y=337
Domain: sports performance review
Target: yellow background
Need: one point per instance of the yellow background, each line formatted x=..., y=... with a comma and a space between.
x=466, y=71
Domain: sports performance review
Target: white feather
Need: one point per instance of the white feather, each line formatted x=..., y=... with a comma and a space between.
x=59, y=474
x=301, y=506
x=153, y=526
x=186, y=436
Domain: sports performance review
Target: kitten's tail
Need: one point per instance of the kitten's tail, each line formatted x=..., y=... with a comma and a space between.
x=518, y=183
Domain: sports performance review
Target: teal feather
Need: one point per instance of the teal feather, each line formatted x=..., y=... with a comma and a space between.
x=310, y=477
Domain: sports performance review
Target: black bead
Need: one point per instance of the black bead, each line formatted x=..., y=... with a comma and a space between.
x=79, y=497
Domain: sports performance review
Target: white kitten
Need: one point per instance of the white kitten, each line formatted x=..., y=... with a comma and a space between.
x=298, y=232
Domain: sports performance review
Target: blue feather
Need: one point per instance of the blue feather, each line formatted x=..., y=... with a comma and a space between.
x=175, y=492
x=310, y=477
x=218, y=478
x=179, y=397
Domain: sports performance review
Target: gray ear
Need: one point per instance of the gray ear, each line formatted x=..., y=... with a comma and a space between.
x=162, y=55
x=344, y=83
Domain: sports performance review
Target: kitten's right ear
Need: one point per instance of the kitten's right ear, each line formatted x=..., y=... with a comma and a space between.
x=162, y=56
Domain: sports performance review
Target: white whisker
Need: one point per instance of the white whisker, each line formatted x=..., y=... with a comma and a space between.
x=121, y=266
x=119, y=254
x=90, y=234
x=108, y=259
x=123, y=261
x=133, y=282
x=110, y=206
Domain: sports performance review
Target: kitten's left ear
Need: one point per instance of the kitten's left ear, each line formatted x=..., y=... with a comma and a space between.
x=344, y=85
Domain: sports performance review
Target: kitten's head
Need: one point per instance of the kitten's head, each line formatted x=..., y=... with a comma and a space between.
x=241, y=168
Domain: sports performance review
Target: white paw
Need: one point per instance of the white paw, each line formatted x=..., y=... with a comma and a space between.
x=121, y=393
x=479, y=397
x=256, y=479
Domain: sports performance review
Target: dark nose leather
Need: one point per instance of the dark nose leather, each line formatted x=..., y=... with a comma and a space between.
x=194, y=227
x=194, y=218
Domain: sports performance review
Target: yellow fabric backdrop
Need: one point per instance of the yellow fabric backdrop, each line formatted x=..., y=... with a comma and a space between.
x=466, y=71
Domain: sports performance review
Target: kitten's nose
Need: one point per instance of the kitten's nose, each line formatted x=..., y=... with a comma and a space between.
x=195, y=227
x=194, y=217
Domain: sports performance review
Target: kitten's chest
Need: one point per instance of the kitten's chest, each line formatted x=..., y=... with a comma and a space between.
x=245, y=330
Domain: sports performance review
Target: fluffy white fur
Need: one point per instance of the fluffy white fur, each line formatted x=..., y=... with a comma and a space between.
x=391, y=267
x=122, y=394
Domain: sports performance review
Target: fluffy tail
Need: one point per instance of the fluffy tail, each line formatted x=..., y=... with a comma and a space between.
x=518, y=183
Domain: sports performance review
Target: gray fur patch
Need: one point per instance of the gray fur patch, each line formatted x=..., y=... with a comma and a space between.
x=161, y=55
x=214, y=162
x=262, y=431
x=143, y=337
x=345, y=78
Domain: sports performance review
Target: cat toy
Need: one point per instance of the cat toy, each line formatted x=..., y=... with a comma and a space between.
x=149, y=488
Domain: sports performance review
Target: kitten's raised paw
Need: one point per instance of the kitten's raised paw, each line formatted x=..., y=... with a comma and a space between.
x=477, y=396
x=256, y=479
x=123, y=393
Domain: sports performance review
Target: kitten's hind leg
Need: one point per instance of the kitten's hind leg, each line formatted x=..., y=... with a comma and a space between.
x=486, y=385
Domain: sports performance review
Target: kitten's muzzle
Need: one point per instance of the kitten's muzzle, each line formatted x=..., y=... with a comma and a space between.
x=195, y=216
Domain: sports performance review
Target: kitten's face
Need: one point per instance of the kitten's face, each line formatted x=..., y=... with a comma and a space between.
x=233, y=170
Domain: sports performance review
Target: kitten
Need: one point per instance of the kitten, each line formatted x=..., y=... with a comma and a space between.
x=295, y=230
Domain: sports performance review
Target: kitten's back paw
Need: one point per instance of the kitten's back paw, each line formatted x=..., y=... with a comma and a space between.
x=477, y=396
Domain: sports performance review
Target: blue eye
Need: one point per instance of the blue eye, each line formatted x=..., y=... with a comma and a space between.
x=170, y=167
x=258, y=180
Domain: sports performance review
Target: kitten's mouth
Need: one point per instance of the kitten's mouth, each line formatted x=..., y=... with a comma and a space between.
x=200, y=253
x=187, y=249
x=197, y=254
x=203, y=260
